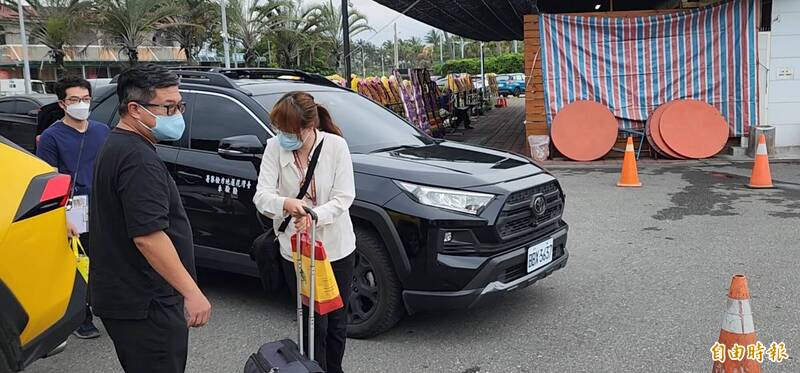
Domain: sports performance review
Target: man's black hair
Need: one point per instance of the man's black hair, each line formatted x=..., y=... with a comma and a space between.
x=68, y=82
x=139, y=84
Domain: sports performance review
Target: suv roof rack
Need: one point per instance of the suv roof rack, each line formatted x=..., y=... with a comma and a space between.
x=222, y=77
x=263, y=73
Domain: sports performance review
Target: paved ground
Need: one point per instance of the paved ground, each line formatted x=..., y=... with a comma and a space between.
x=501, y=128
x=644, y=289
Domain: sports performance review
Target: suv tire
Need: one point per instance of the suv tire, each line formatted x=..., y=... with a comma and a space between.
x=375, y=304
x=517, y=92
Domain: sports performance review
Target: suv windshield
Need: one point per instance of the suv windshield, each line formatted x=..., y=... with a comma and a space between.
x=502, y=78
x=367, y=126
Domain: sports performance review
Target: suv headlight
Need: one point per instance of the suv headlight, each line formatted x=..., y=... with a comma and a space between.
x=450, y=199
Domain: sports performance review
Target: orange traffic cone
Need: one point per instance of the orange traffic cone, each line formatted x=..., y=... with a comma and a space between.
x=630, y=175
x=761, y=177
x=737, y=334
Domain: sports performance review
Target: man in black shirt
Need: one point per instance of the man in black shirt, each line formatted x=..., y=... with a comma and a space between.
x=142, y=261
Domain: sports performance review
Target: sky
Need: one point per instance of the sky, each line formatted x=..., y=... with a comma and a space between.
x=380, y=16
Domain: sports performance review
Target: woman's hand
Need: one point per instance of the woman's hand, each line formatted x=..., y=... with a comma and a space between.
x=294, y=207
x=301, y=224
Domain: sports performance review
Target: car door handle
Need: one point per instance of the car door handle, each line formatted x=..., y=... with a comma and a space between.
x=190, y=178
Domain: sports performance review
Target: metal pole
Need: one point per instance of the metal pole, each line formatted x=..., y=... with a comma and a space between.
x=83, y=71
x=441, y=49
x=383, y=68
x=515, y=46
x=24, y=37
x=396, y=50
x=483, y=74
x=346, y=39
x=462, y=47
x=225, y=41
x=363, y=63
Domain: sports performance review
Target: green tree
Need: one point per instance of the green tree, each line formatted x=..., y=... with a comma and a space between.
x=128, y=23
x=326, y=18
x=57, y=24
x=292, y=35
x=251, y=20
x=191, y=28
x=435, y=38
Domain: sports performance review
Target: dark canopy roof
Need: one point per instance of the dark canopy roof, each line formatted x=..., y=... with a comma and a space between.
x=493, y=20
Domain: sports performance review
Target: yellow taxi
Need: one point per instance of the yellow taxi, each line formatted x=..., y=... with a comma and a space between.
x=42, y=294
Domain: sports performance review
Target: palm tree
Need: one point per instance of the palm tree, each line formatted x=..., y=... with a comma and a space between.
x=292, y=34
x=326, y=18
x=249, y=21
x=57, y=24
x=128, y=23
x=192, y=27
x=435, y=37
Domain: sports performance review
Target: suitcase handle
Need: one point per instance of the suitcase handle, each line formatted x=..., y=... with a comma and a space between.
x=311, y=212
x=312, y=278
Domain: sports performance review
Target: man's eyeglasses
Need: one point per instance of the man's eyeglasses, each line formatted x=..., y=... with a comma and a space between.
x=170, y=108
x=75, y=99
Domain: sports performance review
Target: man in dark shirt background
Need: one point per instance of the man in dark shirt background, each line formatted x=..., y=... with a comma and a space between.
x=143, y=275
x=71, y=144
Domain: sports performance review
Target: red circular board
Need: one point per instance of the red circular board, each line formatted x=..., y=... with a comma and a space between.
x=693, y=129
x=584, y=131
x=654, y=133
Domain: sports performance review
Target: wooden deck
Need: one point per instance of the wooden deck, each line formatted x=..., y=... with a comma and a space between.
x=500, y=128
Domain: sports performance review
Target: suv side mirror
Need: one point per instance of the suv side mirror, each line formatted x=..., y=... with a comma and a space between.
x=244, y=147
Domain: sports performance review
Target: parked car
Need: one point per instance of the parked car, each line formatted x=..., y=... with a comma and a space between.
x=439, y=224
x=18, y=118
x=99, y=82
x=511, y=84
x=42, y=295
x=10, y=87
x=442, y=83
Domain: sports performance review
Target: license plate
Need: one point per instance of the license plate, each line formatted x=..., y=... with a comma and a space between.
x=539, y=255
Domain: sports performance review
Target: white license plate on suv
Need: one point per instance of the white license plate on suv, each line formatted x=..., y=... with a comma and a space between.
x=539, y=255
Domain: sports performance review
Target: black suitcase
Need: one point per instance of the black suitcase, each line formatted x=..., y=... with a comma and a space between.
x=285, y=356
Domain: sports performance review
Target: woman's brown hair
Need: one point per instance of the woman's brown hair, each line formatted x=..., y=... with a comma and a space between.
x=297, y=110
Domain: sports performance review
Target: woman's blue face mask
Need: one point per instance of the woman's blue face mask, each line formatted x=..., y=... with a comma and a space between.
x=289, y=141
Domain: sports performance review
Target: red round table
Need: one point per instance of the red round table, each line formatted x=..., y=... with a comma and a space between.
x=584, y=131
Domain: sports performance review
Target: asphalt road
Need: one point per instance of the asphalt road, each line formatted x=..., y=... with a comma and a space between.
x=644, y=290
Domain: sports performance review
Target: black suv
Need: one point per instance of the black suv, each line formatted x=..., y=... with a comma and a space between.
x=438, y=224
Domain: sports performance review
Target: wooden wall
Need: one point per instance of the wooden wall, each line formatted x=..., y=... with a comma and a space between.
x=535, y=120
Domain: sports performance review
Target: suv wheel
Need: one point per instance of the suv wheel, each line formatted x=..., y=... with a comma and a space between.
x=517, y=92
x=375, y=303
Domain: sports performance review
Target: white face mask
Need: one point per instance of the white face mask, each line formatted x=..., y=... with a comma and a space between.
x=79, y=111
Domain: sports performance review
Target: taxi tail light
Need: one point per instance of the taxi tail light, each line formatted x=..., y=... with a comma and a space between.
x=45, y=193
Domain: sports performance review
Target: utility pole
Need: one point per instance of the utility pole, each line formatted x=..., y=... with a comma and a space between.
x=225, y=41
x=346, y=40
x=483, y=75
x=396, y=50
x=25, y=61
x=441, y=50
x=363, y=63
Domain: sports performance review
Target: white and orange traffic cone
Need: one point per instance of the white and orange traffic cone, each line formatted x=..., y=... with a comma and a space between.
x=761, y=177
x=630, y=174
x=738, y=331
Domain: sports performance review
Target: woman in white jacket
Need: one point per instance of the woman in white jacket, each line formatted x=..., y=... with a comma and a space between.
x=303, y=127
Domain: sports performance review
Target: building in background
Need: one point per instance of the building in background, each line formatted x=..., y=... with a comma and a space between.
x=782, y=96
x=91, y=58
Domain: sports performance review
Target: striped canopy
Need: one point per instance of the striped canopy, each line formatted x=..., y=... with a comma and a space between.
x=633, y=65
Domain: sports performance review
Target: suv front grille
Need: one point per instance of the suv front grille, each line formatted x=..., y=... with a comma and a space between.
x=517, y=217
